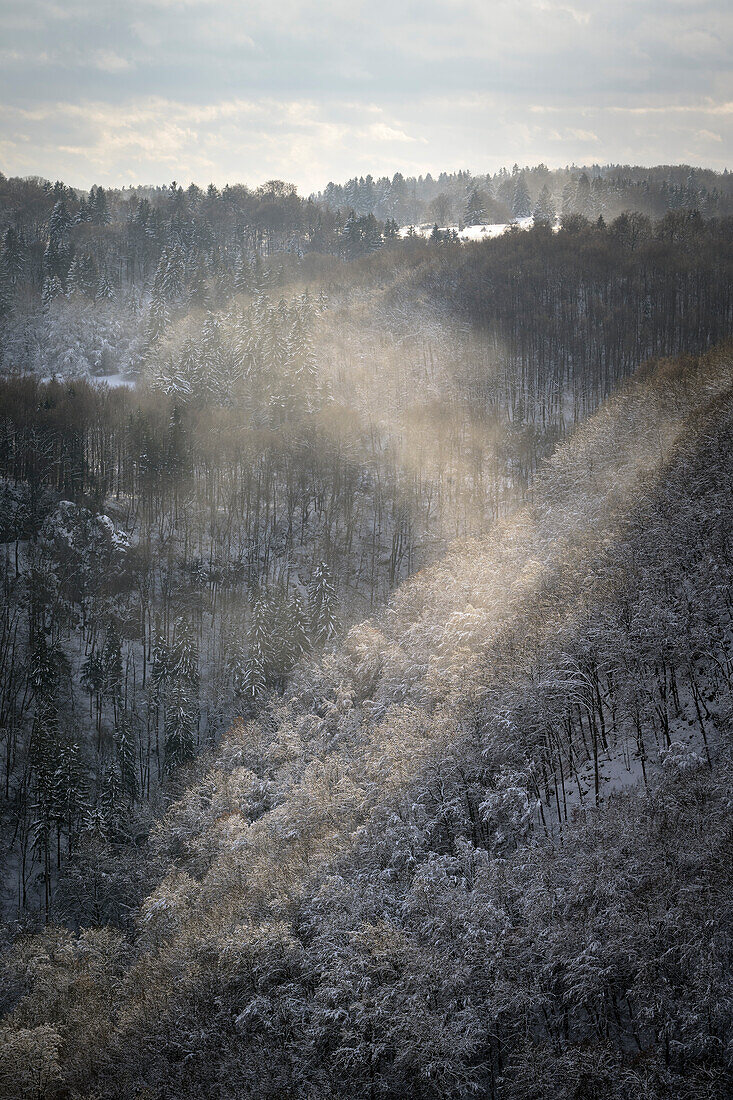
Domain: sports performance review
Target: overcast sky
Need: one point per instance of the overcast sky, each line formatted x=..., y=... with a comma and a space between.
x=145, y=91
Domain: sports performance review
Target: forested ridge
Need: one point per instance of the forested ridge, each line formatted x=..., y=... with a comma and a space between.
x=365, y=640
x=483, y=846
x=89, y=279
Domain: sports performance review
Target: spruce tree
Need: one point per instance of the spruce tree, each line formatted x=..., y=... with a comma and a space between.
x=181, y=696
x=322, y=606
x=70, y=793
x=105, y=291
x=60, y=221
x=475, y=213
x=52, y=289
x=544, y=211
x=521, y=202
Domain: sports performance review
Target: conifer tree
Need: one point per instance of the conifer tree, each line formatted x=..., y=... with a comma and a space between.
x=251, y=674
x=521, y=202
x=112, y=665
x=44, y=681
x=52, y=289
x=159, y=316
x=198, y=290
x=181, y=696
x=12, y=258
x=322, y=606
x=299, y=636
x=475, y=213
x=70, y=793
x=105, y=291
x=583, y=202
x=60, y=221
x=351, y=237
x=98, y=211
x=75, y=277
x=126, y=756
x=171, y=275
x=544, y=211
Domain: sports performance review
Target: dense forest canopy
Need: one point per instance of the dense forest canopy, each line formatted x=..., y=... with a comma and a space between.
x=365, y=641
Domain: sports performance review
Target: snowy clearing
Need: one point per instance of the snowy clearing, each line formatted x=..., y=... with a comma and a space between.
x=469, y=232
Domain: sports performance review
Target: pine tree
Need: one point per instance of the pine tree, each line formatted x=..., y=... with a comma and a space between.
x=181, y=697
x=171, y=279
x=521, y=202
x=126, y=757
x=211, y=355
x=250, y=675
x=89, y=275
x=98, y=211
x=52, y=289
x=260, y=276
x=583, y=203
x=12, y=261
x=55, y=257
x=262, y=633
x=112, y=802
x=351, y=237
x=371, y=234
x=111, y=661
x=105, y=291
x=70, y=794
x=475, y=213
x=190, y=367
x=75, y=278
x=322, y=606
x=300, y=367
x=60, y=221
x=198, y=290
x=252, y=685
x=159, y=317
x=299, y=636
x=544, y=211
x=568, y=198
x=243, y=280
x=44, y=676
x=92, y=679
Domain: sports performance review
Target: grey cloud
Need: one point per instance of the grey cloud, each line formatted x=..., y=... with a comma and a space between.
x=581, y=59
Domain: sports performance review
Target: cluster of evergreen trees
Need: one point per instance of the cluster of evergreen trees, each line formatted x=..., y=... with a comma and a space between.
x=461, y=198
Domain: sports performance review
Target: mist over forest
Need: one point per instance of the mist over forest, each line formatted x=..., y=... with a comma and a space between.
x=366, y=637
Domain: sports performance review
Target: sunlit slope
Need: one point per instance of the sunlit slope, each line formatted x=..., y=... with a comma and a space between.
x=393, y=883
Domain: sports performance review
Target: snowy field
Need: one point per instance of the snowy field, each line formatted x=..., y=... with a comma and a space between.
x=469, y=232
x=114, y=381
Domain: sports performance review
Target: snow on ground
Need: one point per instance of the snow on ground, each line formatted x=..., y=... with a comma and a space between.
x=114, y=381
x=620, y=768
x=469, y=232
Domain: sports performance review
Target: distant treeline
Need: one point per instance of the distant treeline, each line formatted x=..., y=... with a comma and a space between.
x=56, y=239
x=459, y=198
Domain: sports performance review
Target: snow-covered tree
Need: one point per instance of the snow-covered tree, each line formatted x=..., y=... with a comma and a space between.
x=521, y=201
x=322, y=606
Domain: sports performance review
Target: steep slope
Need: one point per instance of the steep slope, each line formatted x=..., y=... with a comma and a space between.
x=416, y=875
